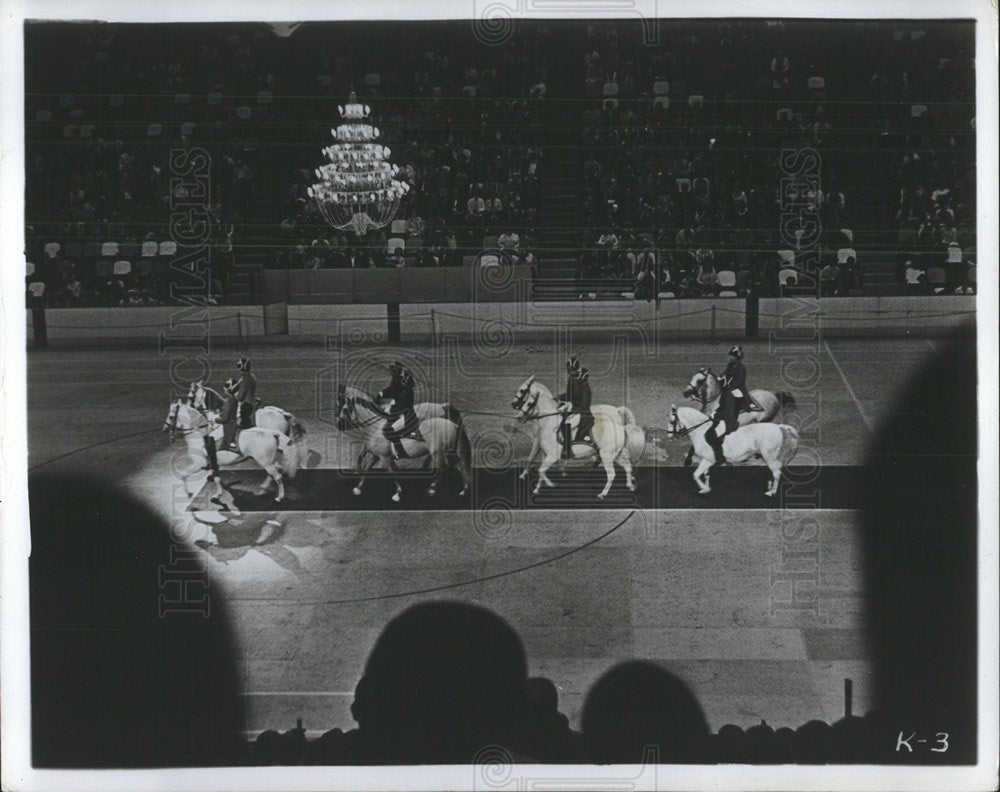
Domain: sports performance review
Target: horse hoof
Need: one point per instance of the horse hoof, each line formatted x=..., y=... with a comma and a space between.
x=523, y=476
x=535, y=490
x=631, y=487
x=768, y=493
x=463, y=493
x=396, y=497
x=704, y=491
x=278, y=500
x=431, y=491
x=601, y=496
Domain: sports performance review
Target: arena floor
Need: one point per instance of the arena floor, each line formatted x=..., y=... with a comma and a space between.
x=698, y=588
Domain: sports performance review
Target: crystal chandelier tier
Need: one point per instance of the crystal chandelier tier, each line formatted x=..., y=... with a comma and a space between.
x=357, y=188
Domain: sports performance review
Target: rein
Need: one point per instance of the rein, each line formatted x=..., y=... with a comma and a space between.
x=379, y=415
x=688, y=429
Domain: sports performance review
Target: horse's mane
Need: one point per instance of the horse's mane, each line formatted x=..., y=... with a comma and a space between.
x=352, y=392
x=543, y=389
x=690, y=414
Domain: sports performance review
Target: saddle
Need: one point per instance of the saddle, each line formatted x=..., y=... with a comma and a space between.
x=409, y=428
x=571, y=422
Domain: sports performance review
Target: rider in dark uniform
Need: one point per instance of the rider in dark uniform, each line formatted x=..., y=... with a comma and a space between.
x=732, y=400
x=227, y=416
x=400, y=390
x=246, y=392
x=579, y=396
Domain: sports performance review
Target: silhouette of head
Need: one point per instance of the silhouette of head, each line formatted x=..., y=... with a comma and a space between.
x=921, y=545
x=443, y=681
x=131, y=659
x=638, y=704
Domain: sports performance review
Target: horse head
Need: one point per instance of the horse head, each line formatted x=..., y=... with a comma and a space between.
x=526, y=399
x=348, y=401
x=170, y=422
x=674, y=426
x=704, y=386
x=344, y=409
x=522, y=393
x=695, y=385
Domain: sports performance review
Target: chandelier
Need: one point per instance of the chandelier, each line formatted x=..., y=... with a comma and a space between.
x=357, y=188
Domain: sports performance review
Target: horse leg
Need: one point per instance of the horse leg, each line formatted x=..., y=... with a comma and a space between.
x=439, y=462
x=701, y=477
x=275, y=475
x=535, y=445
x=368, y=466
x=390, y=463
x=463, y=469
x=543, y=470
x=609, y=470
x=775, y=466
x=626, y=462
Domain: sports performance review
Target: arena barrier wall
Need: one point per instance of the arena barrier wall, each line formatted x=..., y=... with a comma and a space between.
x=496, y=324
x=405, y=285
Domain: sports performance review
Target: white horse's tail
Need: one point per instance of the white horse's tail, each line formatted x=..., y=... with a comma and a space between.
x=290, y=452
x=635, y=439
x=296, y=431
x=786, y=400
x=789, y=443
x=627, y=417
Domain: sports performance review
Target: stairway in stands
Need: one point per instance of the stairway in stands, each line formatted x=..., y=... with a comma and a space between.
x=869, y=210
x=246, y=284
x=560, y=211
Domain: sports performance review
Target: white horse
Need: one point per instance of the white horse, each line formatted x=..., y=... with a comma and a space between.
x=204, y=398
x=615, y=433
x=776, y=444
x=424, y=410
x=262, y=445
x=359, y=417
x=706, y=389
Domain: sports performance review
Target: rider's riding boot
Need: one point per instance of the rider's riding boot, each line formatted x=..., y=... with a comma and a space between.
x=567, y=442
x=213, y=459
x=398, y=451
x=716, y=442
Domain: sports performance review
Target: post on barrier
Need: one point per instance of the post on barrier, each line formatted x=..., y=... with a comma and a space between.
x=39, y=327
x=712, y=337
x=239, y=329
x=392, y=310
x=752, y=323
x=433, y=329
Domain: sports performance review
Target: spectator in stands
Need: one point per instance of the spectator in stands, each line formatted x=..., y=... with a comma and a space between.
x=708, y=278
x=830, y=279
x=813, y=743
x=924, y=539
x=638, y=704
x=548, y=737
x=444, y=682
x=130, y=668
x=72, y=294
